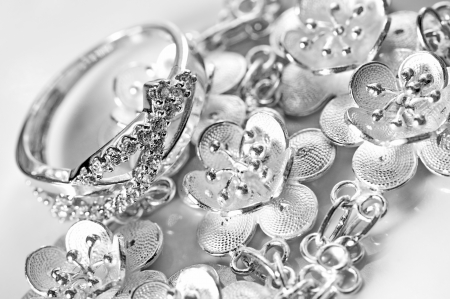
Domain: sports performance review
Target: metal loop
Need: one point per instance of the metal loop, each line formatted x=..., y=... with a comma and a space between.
x=341, y=185
x=420, y=22
x=304, y=247
x=334, y=256
x=269, y=57
x=356, y=281
x=350, y=244
x=250, y=267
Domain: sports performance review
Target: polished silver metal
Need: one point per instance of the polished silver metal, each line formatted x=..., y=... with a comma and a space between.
x=87, y=179
x=95, y=261
x=333, y=37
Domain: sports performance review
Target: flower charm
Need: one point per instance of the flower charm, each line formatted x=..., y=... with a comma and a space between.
x=336, y=36
x=228, y=69
x=254, y=176
x=394, y=112
x=201, y=280
x=95, y=263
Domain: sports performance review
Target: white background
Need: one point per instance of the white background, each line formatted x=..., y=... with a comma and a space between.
x=40, y=37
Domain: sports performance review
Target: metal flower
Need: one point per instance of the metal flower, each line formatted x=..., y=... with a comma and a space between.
x=397, y=111
x=254, y=176
x=336, y=36
x=95, y=262
x=201, y=280
x=227, y=71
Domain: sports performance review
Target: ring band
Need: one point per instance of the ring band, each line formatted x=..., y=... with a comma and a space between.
x=187, y=75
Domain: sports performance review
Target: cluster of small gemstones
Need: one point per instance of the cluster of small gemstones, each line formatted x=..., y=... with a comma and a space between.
x=78, y=279
x=68, y=208
x=333, y=31
x=406, y=101
x=243, y=169
x=166, y=101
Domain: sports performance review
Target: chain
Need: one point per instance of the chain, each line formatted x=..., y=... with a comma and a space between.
x=332, y=250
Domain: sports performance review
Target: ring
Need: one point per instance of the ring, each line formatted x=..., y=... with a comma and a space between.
x=158, y=134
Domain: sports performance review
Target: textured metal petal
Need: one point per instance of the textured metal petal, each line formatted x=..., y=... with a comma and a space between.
x=229, y=69
x=38, y=266
x=220, y=108
x=291, y=214
x=205, y=194
x=373, y=24
x=382, y=133
x=229, y=135
x=202, y=281
x=133, y=280
x=226, y=275
x=384, y=168
x=313, y=155
x=271, y=133
x=436, y=157
x=129, y=82
x=246, y=290
x=76, y=240
x=426, y=63
x=33, y=295
x=402, y=32
x=288, y=20
x=153, y=290
x=109, y=293
x=394, y=58
x=303, y=93
x=143, y=243
x=372, y=73
x=333, y=125
x=219, y=235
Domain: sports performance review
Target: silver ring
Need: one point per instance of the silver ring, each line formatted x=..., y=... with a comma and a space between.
x=187, y=75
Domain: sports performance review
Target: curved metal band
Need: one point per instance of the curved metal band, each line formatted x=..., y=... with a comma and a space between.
x=31, y=148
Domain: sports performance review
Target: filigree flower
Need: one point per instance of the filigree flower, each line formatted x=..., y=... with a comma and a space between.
x=395, y=111
x=254, y=176
x=198, y=281
x=335, y=35
x=95, y=262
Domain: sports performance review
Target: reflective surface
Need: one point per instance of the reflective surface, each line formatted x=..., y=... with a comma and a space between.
x=407, y=255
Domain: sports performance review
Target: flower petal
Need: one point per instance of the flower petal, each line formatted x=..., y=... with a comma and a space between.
x=246, y=290
x=229, y=69
x=425, y=63
x=303, y=93
x=394, y=58
x=435, y=156
x=220, y=108
x=143, y=243
x=205, y=194
x=76, y=240
x=372, y=21
x=219, y=235
x=39, y=265
x=225, y=273
x=33, y=295
x=372, y=73
x=133, y=280
x=288, y=20
x=333, y=125
x=270, y=133
x=109, y=293
x=383, y=133
x=228, y=135
x=201, y=280
x=402, y=32
x=153, y=290
x=313, y=155
x=384, y=168
x=291, y=214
